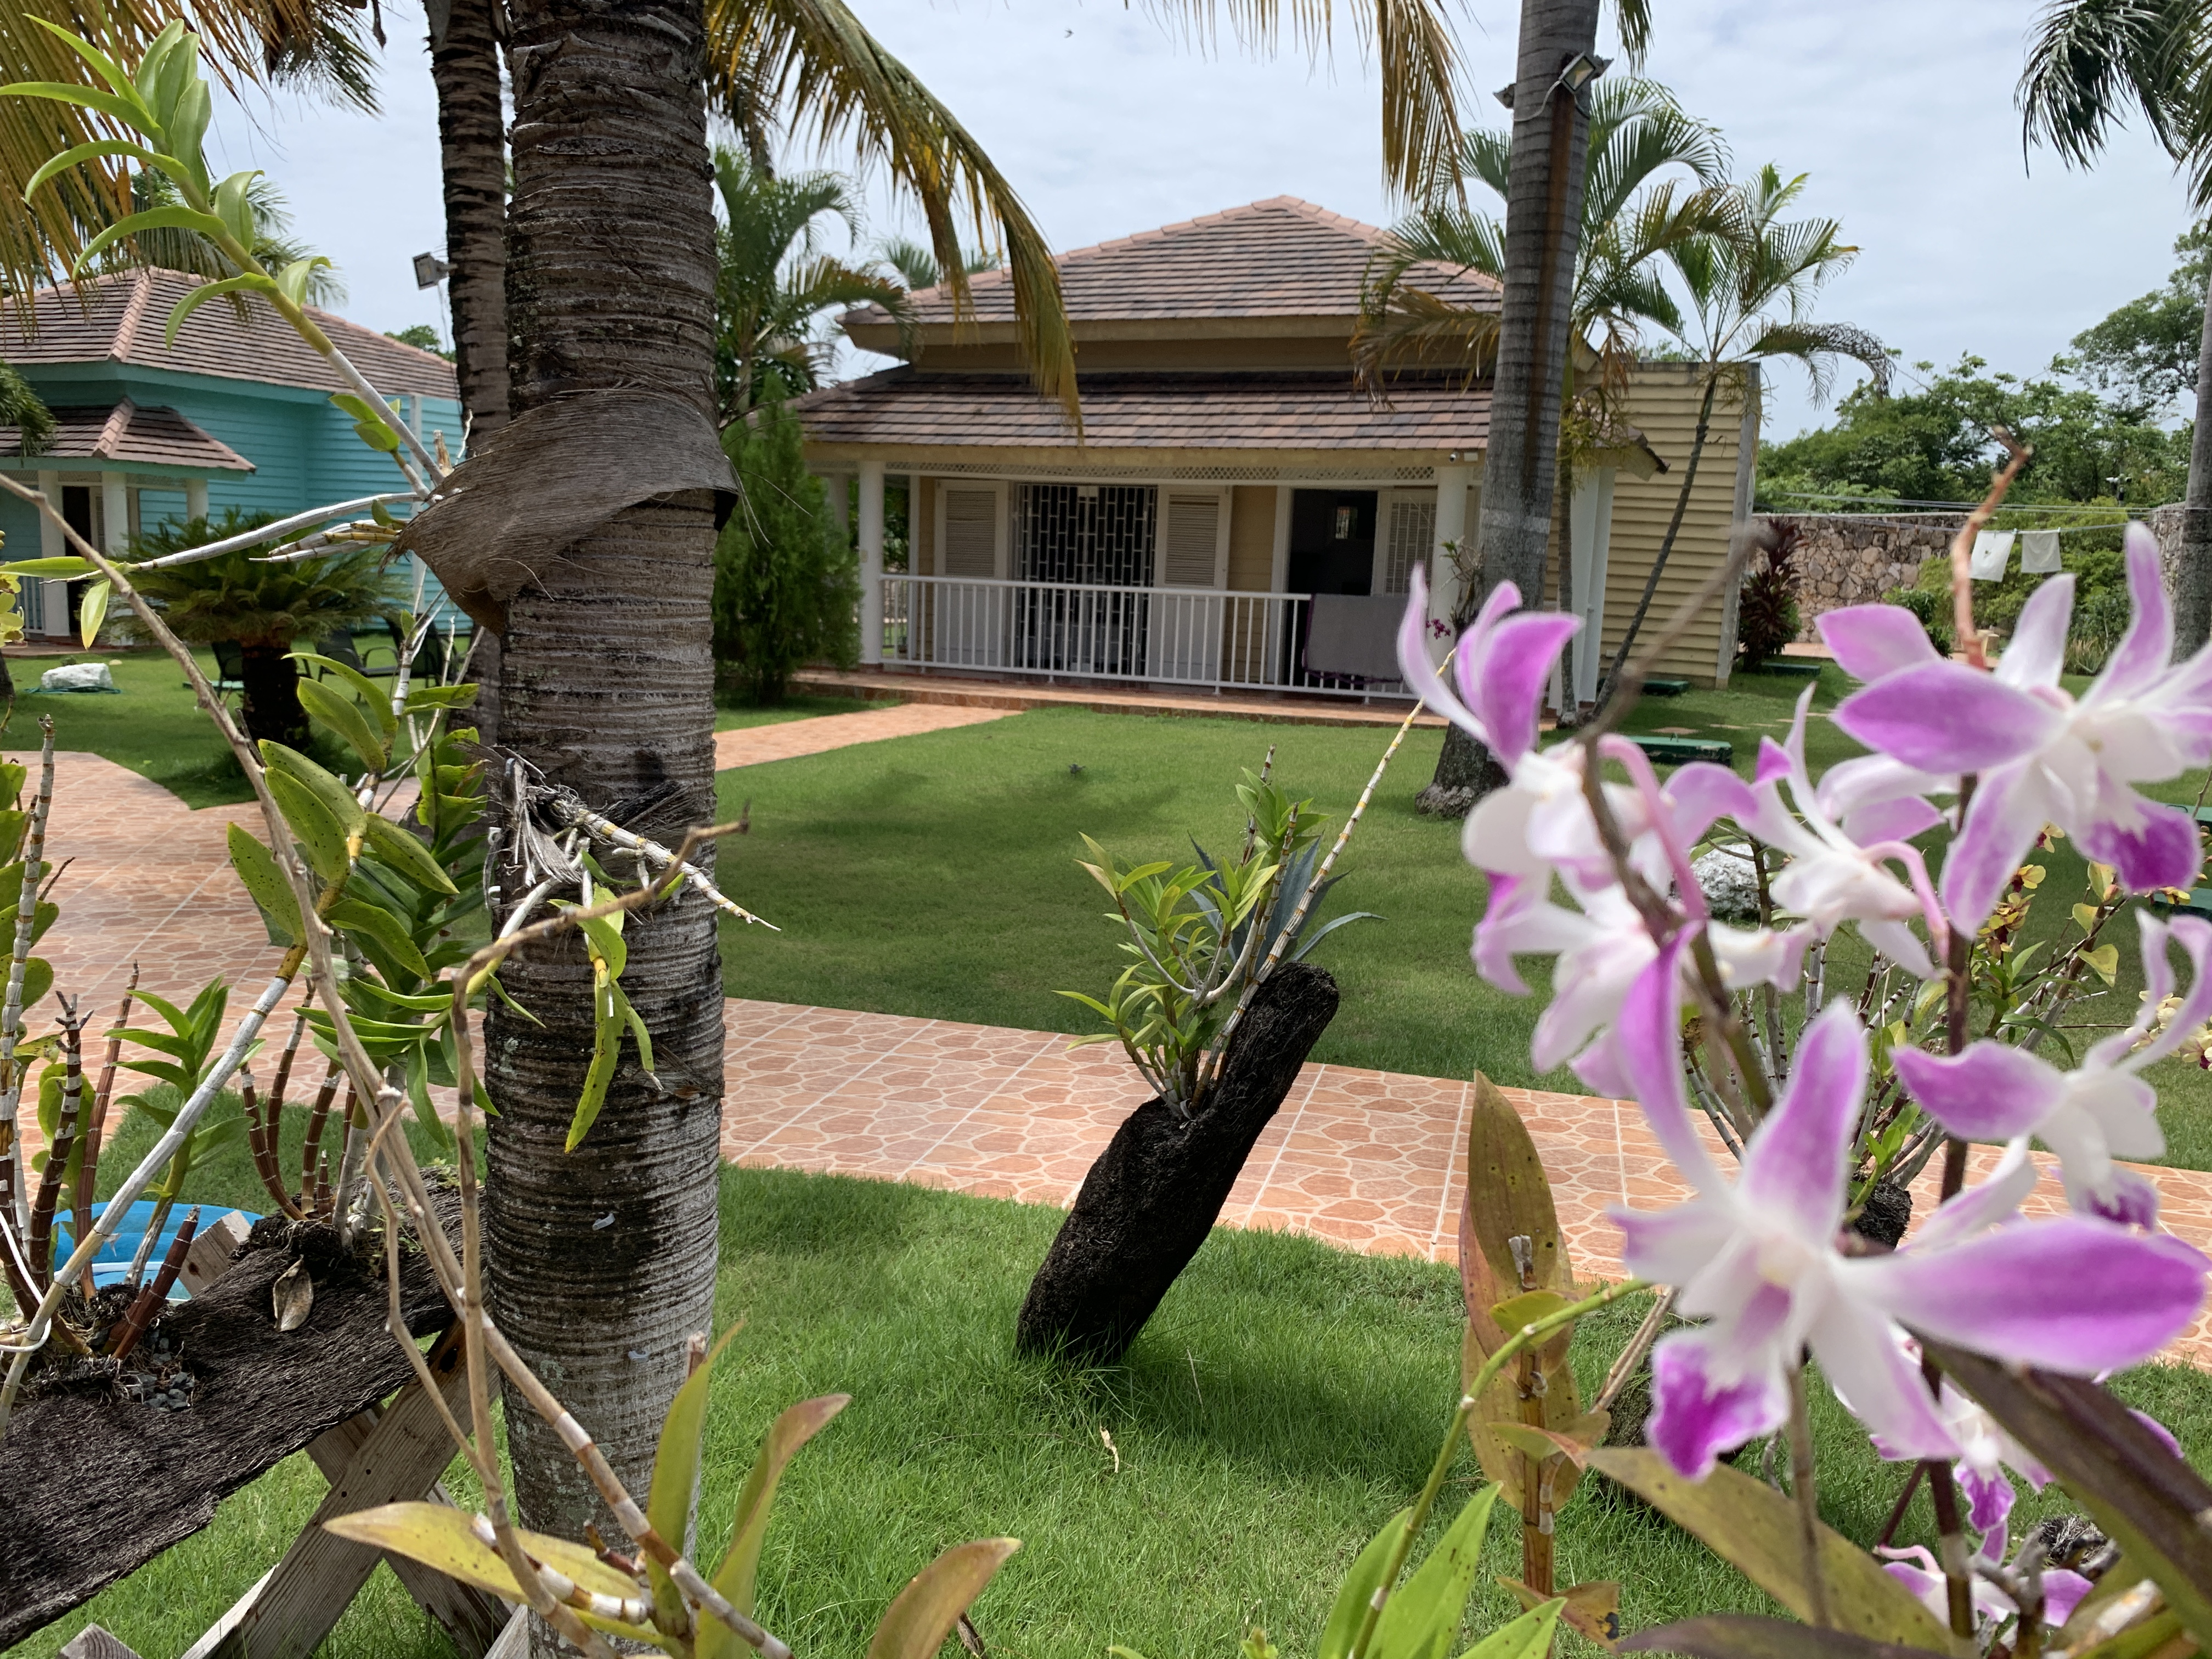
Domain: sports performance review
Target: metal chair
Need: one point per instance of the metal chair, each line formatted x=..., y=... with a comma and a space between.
x=429, y=657
x=340, y=648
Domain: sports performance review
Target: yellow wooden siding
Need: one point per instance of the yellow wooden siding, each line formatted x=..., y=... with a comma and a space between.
x=1252, y=538
x=1663, y=404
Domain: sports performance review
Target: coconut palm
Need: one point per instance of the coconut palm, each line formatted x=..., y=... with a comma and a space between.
x=172, y=248
x=775, y=281
x=917, y=267
x=2090, y=64
x=1751, y=290
x=1630, y=214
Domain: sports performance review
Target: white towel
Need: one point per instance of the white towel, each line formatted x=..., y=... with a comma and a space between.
x=1992, y=553
x=2039, y=552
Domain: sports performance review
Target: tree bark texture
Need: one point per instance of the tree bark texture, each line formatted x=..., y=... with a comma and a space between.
x=602, y=1259
x=2192, y=595
x=1543, y=220
x=472, y=156
x=1157, y=1190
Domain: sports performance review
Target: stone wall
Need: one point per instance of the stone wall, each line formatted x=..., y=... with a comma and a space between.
x=1855, y=561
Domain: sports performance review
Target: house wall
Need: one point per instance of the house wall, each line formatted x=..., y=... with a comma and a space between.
x=1252, y=537
x=1663, y=404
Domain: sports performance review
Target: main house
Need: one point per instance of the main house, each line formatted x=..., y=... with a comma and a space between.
x=236, y=413
x=1235, y=511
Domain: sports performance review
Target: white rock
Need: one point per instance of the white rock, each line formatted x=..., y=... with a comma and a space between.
x=79, y=676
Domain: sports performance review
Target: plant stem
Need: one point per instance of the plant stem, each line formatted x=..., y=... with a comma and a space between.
x=1528, y=1336
x=1807, y=1494
x=14, y=1188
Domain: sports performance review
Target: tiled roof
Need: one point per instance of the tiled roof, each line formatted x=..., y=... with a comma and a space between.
x=1298, y=409
x=121, y=319
x=127, y=434
x=1279, y=257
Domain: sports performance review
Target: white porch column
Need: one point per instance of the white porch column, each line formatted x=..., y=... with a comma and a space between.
x=114, y=513
x=195, y=505
x=1453, y=483
x=871, y=562
x=51, y=545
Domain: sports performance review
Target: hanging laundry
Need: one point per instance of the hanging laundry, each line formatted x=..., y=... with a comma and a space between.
x=2039, y=552
x=1992, y=553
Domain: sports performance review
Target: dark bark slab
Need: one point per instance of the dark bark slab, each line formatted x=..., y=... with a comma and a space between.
x=97, y=1486
x=1157, y=1190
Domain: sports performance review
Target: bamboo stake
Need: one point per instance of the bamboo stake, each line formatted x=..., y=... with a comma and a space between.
x=14, y=1192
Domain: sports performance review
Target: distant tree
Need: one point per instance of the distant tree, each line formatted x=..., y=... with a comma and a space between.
x=2144, y=357
x=917, y=266
x=21, y=407
x=1934, y=444
x=177, y=249
x=786, y=583
x=422, y=338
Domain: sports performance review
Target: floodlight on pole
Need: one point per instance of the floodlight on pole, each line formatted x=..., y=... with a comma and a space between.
x=430, y=270
x=1576, y=78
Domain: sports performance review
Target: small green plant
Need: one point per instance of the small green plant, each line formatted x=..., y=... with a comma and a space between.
x=1203, y=936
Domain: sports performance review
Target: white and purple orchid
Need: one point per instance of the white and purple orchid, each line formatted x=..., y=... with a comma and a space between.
x=2042, y=755
x=1757, y=1259
x=2100, y=1111
x=1917, y=1569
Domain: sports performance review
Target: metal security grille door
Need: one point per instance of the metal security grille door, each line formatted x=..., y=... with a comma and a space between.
x=1085, y=540
x=1412, y=532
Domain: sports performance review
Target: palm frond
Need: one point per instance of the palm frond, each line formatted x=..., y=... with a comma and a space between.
x=813, y=58
x=1817, y=346
x=1420, y=329
x=172, y=249
x=2090, y=62
x=21, y=407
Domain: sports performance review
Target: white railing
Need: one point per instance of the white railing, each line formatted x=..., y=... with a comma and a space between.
x=1074, y=630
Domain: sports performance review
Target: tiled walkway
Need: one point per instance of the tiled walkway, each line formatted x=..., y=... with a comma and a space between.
x=787, y=738
x=1369, y=1160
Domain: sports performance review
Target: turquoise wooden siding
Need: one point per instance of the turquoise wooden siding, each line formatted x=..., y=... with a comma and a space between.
x=303, y=447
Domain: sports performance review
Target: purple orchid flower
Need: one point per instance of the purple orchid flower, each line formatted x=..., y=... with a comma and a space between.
x=2043, y=756
x=2089, y=1117
x=1831, y=878
x=1915, y=1569
x=1756, y=1259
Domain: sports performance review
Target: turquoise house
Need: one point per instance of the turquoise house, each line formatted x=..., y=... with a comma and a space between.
x=236, y=413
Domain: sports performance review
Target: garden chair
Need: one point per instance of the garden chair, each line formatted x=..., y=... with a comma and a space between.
x=429, y=657
x=229, y=669
x=340, y=648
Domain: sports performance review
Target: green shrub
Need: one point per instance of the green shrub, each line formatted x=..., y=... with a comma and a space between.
x=787, y=591
x=1767, y=605
x=1933, y=609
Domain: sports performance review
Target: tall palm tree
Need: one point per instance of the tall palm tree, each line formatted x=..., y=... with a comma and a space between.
x=775, y=281
x=2090, y=64
x=916, y=266
x=1751, y=290
x=1631, y=213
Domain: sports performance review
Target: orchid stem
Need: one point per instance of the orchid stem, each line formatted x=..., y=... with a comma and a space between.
x=1807, y=1494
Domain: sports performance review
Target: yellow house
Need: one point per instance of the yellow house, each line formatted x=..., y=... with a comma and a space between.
x=1236, y=513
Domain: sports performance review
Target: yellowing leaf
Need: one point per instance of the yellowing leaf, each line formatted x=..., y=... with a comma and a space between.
x=676, y=1479
x=2085, y=917
x=1527, y=1309
x=923, y=1615
x=734, y=1579
x=2105, y=960
x=93, y=612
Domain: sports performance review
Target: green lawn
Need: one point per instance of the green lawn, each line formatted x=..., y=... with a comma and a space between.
x=154, y=727
x=1287, y=1398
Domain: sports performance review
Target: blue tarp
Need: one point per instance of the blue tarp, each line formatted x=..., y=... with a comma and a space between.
x=112, y=1264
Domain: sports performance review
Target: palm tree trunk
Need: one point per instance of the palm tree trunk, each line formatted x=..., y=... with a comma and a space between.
x=269, y=703
x=1666, y=542
x=1543, y=222
x=2192, y=585
x=602, y=1259
x=472, y=156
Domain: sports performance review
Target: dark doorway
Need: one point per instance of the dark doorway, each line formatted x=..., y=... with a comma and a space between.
x=1332, y=541
x=77, y=513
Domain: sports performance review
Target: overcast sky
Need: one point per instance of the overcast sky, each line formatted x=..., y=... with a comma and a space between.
x=1108, y=122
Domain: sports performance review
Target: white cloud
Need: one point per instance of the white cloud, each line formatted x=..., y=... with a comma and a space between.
x=1107, y=122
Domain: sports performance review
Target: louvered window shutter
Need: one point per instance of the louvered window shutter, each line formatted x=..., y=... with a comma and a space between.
x=971, y=532
x=1192, y=535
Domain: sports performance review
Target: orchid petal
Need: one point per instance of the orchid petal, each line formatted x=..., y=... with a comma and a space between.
x=1981, y=1208
x=1673, y=1246
x=2072, y=1295
x=2159, y=1431
x=1870, y=641
x=1694, y=1419
x=2128, y=1200
x=1648, y=1041
x=1702, y=794
x=1421, y=674
x=2120, y=1049
x=1866, y=1365
x=1989, y=1092
x=1866, y=780
x=1945, y=717
x=1897, y=941
x=2003, y=821
x=1795, y=1162
x=2140, y=658
x=1773, y=763
x=2062, y=1591
x=2153, y=846
x=1989, y=1495
x=2037, y=650
x=1899, y=819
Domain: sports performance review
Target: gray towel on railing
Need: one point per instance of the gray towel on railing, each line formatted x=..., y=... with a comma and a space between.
x=1355, y=634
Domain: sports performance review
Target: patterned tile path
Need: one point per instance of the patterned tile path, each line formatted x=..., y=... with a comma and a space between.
x=974, y=692
x=1368, y=1160
x=787, y=739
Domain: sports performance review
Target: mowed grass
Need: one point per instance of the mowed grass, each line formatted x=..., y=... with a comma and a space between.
x=1287, y=1399
x=154, y=727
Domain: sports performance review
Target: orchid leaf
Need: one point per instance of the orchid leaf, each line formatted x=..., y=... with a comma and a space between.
x=251, y=283
x=343, y=715
x=335, y=795
x=93, y=612
x=91, y=152
x=159, y=218
x=233, y=204
x=607, y=1049
x=292, y=280
x=676, y=1479
x=1425, y=1614
x=1510, y=1195
x=734, y=1578
x=1744, y=1636
x=393, y=846
x=1528, y=1637
x=923, y=1615
x=123, y=111
x=1593, y=1608
x=1755, y=1528
x=66, y=568
x=1527, y=1309
x=308, y=817
x=106, y=67
x=1358, y=1592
